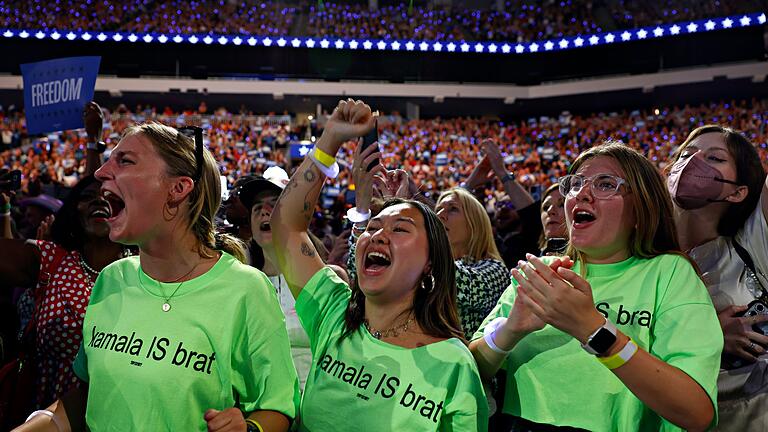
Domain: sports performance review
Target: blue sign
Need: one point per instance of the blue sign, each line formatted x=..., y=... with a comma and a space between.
x=300, y=149
x=56, y=91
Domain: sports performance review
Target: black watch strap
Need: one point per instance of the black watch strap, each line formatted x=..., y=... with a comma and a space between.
x=99, y=146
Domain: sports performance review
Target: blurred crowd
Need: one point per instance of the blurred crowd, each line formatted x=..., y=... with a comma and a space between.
x=517, y=20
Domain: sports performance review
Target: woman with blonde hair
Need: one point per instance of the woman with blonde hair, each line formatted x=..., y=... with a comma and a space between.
x=155, y=356
x=624, y=337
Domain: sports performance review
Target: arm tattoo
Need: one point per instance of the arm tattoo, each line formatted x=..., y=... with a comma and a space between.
x=306, y=250
x=309, y=175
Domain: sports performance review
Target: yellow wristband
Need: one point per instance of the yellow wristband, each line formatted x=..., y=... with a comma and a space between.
x=621, y=357
x=324, y=158
x=255, y=424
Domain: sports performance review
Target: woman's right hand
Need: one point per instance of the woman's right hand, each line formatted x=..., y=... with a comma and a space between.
x=740, y=339
x=350, y=119
x=363, y=178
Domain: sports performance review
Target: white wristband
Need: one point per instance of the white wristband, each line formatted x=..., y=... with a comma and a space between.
x=45, y=413
x=490, y=332
x=330, y=172
x=356, y=216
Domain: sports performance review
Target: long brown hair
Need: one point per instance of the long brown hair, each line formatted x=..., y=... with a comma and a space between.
x=178, y=152
x=434, y=308
x=655, y=233
x=543, y=237
x=749, y=172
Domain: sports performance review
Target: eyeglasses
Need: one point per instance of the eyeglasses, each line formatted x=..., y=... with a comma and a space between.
x=196, y=133
x=602, y=186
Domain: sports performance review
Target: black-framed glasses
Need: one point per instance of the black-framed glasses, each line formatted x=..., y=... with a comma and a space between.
x=603, y=186
x=196, y=133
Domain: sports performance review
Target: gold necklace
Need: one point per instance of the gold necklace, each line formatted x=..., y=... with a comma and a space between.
x=394, y=331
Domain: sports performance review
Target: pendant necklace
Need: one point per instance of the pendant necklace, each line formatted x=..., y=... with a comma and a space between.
x=167, y=302
x=394, y=331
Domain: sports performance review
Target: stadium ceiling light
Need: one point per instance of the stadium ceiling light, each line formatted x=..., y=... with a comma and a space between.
x=672, y=29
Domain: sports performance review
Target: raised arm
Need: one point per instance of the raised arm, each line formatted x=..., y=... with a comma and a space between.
x=517, y=194
x=296, y=256
x=94, y=122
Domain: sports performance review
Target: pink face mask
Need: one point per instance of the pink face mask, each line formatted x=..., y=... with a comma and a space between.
x=693, y=183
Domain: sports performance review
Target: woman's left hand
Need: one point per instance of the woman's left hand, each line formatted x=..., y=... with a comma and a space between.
x=229, y=420
x=559, y=297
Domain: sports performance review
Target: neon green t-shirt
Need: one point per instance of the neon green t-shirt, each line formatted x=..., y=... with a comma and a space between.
x=155, y=370
x=661, y=303
x=363, y=384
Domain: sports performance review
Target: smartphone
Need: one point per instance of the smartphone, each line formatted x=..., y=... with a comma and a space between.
x=369, y=139
x=11, y=180
x=757, y=307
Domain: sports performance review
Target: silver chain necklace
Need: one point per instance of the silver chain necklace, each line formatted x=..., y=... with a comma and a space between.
x=167, y=300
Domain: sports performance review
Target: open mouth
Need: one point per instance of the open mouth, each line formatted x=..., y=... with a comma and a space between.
x=583, y=217
x=265, y=227
x=116, y=204
x=376, y=262
x=100, y=212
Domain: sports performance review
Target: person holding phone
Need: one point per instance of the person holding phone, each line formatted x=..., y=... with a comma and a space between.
x=388, y=351
x=624, y=336
x=554, y=233
x=720, y=197
x=183, y=336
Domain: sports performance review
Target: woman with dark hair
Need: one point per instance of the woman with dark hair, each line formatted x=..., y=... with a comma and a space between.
x=554, y=233
x=628, y=339
x=64, y=269
x=389, y=354
x=184, y=336
x=720, y=197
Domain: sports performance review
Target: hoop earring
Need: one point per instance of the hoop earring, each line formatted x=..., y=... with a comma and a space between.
x=432, y=283
x=169, y=215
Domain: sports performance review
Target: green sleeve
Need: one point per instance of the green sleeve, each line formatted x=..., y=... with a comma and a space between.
x=80, y=365
x=264, y=376
x=686, y=306
x=323, y=299
x=467, y=410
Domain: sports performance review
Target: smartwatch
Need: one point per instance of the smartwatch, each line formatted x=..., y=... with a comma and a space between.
x=99, y=146
x=599, y=342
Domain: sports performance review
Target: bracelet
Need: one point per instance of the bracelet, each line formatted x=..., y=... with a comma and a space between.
x=331, y=171
x=357, y=216
x=490, y=332
x=621, y=357
x=45, y=413
x=5, y=208
x=324, y=158
x=8, y=213
x=255, y=424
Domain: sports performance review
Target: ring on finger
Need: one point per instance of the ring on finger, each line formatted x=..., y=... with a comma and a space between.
x=752, y=346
